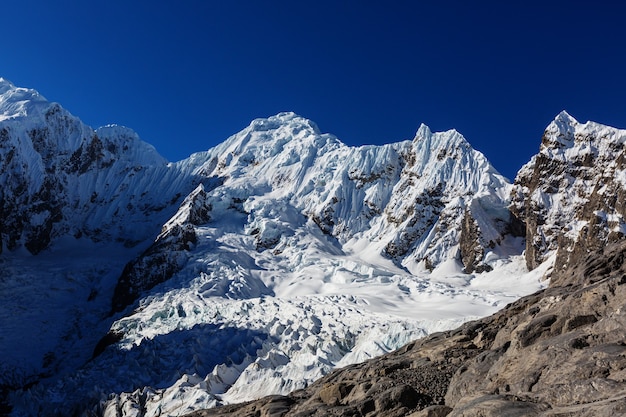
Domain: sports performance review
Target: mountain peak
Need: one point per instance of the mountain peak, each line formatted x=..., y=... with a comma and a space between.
x=565, y=117
x=423, y=132
x=566, y=134
x=560, y=132
x=9, y=90
x=16, y=101
x=265, y=138
x=574, y=183
x=443, y=143
x=283, y=119
x=5, y=85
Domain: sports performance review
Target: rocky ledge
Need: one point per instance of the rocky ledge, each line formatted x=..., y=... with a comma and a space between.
x=558, y=352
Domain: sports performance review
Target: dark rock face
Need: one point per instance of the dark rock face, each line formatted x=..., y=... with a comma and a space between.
x=419, y=217
x=472, y=253
x=167, y=255
x=560, y=351
x=475, y=241
x=24, y=200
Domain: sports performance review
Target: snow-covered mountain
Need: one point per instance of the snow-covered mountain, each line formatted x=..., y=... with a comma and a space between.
x=61, y=178
x=555, y=352
x=412, y=202
x=571, y=194
x=145, y=287
x=83, y=201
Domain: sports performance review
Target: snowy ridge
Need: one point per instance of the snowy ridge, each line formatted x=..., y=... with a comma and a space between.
x=252, y=268
x=398, y=194
x=18, y=102
x=407, y=200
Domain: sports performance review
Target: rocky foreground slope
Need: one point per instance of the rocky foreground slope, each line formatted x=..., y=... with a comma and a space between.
x=558, y=352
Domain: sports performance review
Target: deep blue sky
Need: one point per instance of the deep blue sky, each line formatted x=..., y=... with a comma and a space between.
x=188, y=74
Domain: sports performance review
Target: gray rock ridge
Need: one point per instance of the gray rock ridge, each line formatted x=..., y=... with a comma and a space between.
x=560, y=351
x=473, y=245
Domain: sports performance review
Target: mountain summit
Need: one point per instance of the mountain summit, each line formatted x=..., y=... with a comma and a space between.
x=18, y=102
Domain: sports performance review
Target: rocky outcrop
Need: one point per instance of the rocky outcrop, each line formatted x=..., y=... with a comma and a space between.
x=571, y=195
x=31, y=210
x=558, y=352
x=478, y=236
x=440, y=201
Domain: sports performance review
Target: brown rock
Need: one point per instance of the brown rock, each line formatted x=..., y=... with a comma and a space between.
x=332, y=394
x=496, y=406
x=432, y=411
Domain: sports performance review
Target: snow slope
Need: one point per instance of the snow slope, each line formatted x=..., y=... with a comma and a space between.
x=406, y=201
x=203, y=339
x=252, y=268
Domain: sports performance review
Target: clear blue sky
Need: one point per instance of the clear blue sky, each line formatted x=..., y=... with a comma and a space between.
x=188, y=74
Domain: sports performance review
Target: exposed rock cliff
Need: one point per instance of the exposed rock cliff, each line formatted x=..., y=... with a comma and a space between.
x=167, y=254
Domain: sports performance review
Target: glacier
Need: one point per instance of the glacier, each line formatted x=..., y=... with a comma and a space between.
x=133, y=286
